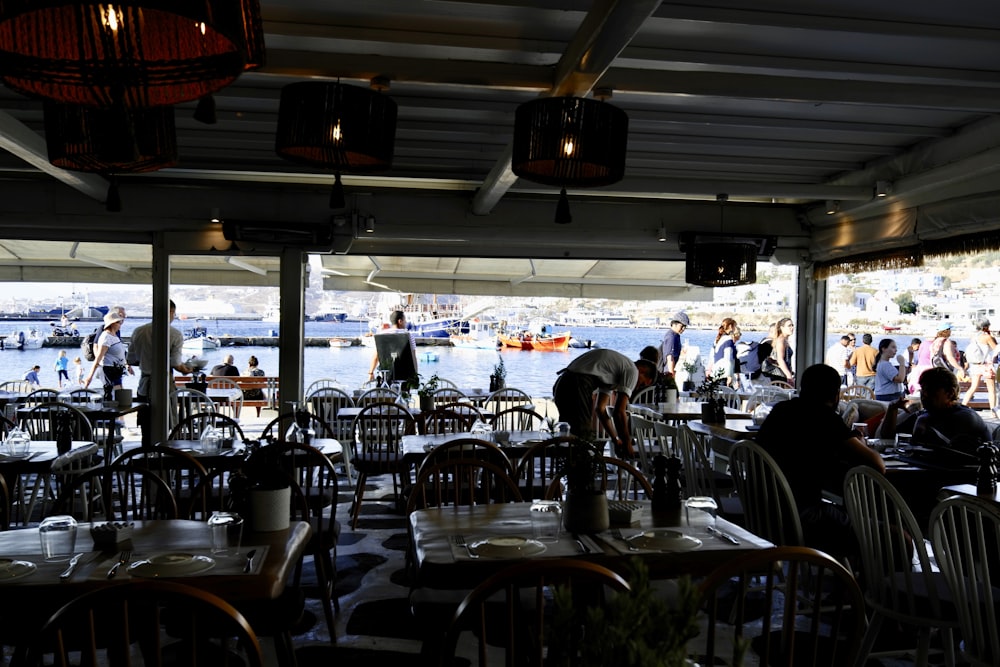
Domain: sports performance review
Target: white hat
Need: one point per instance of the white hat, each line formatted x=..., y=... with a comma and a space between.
x=111, y=318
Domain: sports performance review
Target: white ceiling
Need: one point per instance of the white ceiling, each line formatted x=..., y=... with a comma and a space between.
x=782, y=105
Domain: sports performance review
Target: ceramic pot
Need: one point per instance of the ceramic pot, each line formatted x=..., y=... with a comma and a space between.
x=586, y=512
x=687, y=385
x=710, y=413
x=426, y=403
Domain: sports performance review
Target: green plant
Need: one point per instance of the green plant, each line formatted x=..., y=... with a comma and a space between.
x=582, y=466
x=428, y=388
x=500, y=370
x=631, y=629
x=709, y=388
x=690, y=367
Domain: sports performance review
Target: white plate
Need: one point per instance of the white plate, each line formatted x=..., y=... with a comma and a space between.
x=665, y=540
x=15, y=569
x=508, y=546
x=171, y=565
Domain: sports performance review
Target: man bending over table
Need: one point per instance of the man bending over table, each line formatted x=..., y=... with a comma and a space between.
x=809, y=441
x=614, y=377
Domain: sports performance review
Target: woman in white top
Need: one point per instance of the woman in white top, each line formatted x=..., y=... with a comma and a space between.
x=109, y=355
x=724, y=352
x=981, y=355
x=887, y=376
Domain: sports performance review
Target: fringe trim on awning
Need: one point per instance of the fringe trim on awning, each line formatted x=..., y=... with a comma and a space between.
x=966, y=244
x=898, y=258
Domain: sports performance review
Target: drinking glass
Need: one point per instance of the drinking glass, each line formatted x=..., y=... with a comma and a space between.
x=227, y=531
x=562, y=429
x=58, y=537
x=904, y=442
x=546, y=520
x=701, y=511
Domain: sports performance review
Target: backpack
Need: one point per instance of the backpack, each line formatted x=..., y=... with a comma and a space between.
x=746, y=355
x=87, y=344
x=975, y=354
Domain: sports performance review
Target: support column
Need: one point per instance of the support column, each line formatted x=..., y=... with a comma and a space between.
x=161, y=382
x=810, y=337
x=291, y=288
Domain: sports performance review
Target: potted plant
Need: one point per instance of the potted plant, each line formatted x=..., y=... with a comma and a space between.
x=498, y=379
x=689, y=368
x=426, y=393
x=713, y=408
x=585, y=507
x=636, y=628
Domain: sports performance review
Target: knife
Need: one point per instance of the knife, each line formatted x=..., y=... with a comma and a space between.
x=583, y=547
x=73, y=562
x=249, y=566
x=726, y=537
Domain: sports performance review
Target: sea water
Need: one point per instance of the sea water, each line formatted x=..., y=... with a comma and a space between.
x=530, y=370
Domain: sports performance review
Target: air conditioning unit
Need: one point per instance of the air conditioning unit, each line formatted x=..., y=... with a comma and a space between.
x=313, y=237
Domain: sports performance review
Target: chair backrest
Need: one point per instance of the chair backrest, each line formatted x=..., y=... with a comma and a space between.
x=790, y=605
x=623, y=481
x=192, y=426
x=377, y=395
x=181, y=471
x=378, y=431
x=440, y=421
x=82, y=396
x=467, y=409
x=233, y=405
x=190, y=401
x=731, y=397
x=5, y=506
x=699, y=478
x=498, y=604
x=311, y=470
x=16, y=386
x=857, y=391
x=211, y=495
x=118, y=493
x=41, y=423
x=67, y=467
x=781, y=384
x=889, y=536
x=769, y=508
x=462, y=482
x=277, y=428
x=445, y=383
x=468, y=448
x=109, y=623
x=965, y=532
x=644, y=440
x=517, y=418
x=40, y=396
x=322, y=383
x=507, y=397
x=541, y=464
x=325, y=402
x=645, y=396
x=449, y=395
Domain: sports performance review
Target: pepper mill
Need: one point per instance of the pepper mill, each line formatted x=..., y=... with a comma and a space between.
x=986, y=484
x=666, y=484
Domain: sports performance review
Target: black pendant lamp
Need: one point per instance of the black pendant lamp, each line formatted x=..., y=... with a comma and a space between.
x=569, y=142
x=346, y=129
x=131, y=53
x=718, y=263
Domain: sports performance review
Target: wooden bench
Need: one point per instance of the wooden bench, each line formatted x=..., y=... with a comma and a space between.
x=266, y=383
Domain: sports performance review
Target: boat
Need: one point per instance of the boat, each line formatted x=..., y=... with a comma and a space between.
x=197, y=340
x=544, y=342
x=481, y=335
x=19, y=340
x=341, y=342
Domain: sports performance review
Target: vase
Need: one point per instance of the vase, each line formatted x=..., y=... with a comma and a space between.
x=586, y=512
x=687, y=385
x=426, y=403
x=710, y=413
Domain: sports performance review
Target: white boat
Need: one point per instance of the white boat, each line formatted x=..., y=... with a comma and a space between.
x=341, y=342
x=482, y=335
x=19, y=340
x=197, y=340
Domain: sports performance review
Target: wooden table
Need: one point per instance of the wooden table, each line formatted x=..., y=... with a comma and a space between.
x=38, y=463
x=28, y=601
x=231, y=459
x=416, y=447
x=678, y=412
x=440, y=564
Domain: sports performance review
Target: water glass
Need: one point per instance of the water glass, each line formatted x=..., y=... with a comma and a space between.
x=227, y=532
x=17, y=443
x=862, y=429
x=58, y=537
x=546, y=520
x=562, y=429
x=701, y=511
x=904, y=442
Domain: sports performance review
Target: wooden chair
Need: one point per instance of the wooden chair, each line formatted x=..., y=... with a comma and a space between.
x=894, y=589
x=468, y=448
x=449, y=395
x=440, y=421
x=40, y=422
x=108, y=624
x=211, y=495
x=466, y=409
x=791, y=605
x=731, y=397
x=192, y=426
x=325, y=402
x=645, y=396
x=857, y=391
x=82, y=396
x=127, y=493
x=40, y=396
x=508, y=397
x=66, y=468
x=189, y=402
x=5, y=505
x=540, y=468
x=377, y=395
x=517, y=418
x=965, y=532
x=181, y=471
x=644, y=440
x=510, y=607
x=22, y=387
x=781, y=384
x=278, y=428
x=321, y=383
x=701, y=479
x=623, y=481
x=769, y=508
x=233, y=405
x=462, y=482
x=376, y=447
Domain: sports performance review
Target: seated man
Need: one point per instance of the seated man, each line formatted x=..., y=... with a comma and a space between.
x=815, y=448
x=226, y=368
x=943, y=423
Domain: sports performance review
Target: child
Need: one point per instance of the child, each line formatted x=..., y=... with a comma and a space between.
x=61, y=367
x=32, y=376
x=78, y=370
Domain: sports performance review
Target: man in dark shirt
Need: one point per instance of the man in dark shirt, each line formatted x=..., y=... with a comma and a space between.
x=225, y=368
x=812, y=445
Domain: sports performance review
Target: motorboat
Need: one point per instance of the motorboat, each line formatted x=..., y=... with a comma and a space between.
x=481, y=335
x=545, y=342
x=339, y=341
x=198, y=340
x=19, y=340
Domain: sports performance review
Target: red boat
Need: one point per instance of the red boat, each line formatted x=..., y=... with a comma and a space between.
x=526, y=340
x=889, y=329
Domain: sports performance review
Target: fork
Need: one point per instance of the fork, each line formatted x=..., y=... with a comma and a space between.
x=460, y=541
x=617, y=534
x=123, y=558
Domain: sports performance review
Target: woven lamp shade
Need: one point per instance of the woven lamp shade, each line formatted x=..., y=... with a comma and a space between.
x=721, y=264
x=335, y=126
x=107, y=141
x=132, y=53
x=569, y=141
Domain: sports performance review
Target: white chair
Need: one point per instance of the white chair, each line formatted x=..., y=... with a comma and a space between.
x=645, y=396
x=377, y=395
x=731, y=397
x=508, y=397
x=965, y=532
x=768, y=504
x=321, y=383
x=232, y=404
x=187, y=402
x=325, y=403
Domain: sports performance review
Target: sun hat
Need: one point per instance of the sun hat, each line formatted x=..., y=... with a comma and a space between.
x=680, y=316
x=111, y=318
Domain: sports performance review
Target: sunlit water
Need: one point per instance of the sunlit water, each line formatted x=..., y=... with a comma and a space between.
x=531, y=371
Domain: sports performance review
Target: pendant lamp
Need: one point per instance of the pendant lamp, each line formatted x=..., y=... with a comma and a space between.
x=131, y=53
x=337, y=127
x=253, y=37
x=110, y=141
x=569, y=142
x=718, y=263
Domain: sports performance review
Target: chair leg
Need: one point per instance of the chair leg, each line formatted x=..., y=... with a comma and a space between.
x=871, y=634
x=325, y=584
x=359, y=493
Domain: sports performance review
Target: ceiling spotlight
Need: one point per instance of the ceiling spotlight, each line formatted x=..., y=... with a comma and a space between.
x=832, y=206
x=661, y=234
x=883, y=188
x=370, y=224
x=215, y=215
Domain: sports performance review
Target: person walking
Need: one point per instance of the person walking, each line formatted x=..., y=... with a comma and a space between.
x=943, y=353
x=778, y=366
x=888, y=378
x=981, y=355
x=865, y=360
x=78, y=370
x=61, y=367
x=724, y=352
x=838, y=357
x=670, y=346
x=109, y=355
